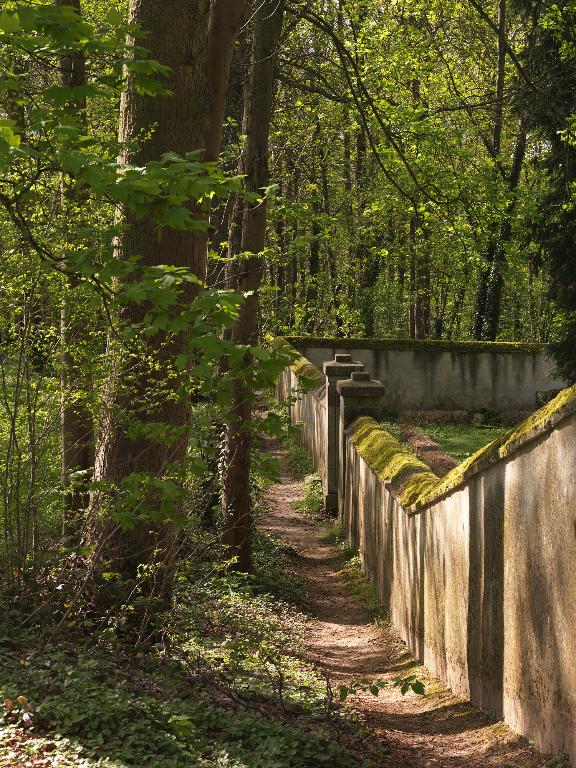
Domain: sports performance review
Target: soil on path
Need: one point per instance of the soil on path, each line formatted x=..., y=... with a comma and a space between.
x=438, y=729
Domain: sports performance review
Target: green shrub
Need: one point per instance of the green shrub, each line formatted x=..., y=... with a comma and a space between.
x=312, y=503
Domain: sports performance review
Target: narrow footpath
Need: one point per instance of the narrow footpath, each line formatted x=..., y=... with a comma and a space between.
x=437, y=729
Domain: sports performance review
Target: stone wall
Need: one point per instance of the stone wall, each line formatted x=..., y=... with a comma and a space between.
x=428, y=375
x=480, y=578
x=306, y=398
x=477, y=569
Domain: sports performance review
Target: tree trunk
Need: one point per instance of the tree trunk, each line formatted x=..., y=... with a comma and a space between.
x=222, y=215
x=236, y=497
x=76, y=424
x=487, y=308
x=196, y=42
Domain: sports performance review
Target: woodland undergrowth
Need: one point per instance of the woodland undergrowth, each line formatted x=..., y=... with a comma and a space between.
x=218, y=680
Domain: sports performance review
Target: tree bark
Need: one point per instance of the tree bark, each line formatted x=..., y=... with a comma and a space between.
x=490, y=277
x=236, y=497
x=195, y=41
x=76, y=423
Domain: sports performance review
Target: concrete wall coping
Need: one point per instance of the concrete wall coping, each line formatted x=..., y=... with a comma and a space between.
x=422, y=345
x=417, y=488
x=300, y=365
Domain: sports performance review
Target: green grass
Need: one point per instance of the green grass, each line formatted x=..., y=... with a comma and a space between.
x=332, y=534
x=297, y=457
x=356, y=582
x=359, y=586
x=459, y=440
x=462, y=440
x=394, y=429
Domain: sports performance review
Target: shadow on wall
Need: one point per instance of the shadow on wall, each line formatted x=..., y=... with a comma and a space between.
x=541, y=552
x=485, y=646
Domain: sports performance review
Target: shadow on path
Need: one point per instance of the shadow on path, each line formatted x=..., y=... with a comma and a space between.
x=438, y=729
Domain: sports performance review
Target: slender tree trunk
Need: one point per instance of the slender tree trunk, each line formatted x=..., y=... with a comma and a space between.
x=422, y=314
x=76, y=428
x=195, y=40
x=490, y=274
x=495, y=284
x=222, y=216
x=456, y=311
x=313, y=272
x=236, y=496
x=413, y=286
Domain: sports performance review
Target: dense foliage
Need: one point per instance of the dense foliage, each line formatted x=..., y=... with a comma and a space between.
x=173, y=189
x=409, y=174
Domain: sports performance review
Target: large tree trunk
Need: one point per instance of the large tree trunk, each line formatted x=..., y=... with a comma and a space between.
x=196, y=42
x=236, y=499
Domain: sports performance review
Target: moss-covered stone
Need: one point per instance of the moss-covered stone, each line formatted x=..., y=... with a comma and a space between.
x=547, y=416
x=487, y=455
x=382, y=452
x=433, y=345
x=389, y=459
x=416, y=486
x=535, y=425
x=299, y=364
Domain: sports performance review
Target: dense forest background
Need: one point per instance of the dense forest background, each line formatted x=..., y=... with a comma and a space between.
x=180, y=181
x=411, y=183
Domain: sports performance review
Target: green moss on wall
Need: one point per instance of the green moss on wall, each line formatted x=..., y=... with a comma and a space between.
x=548, y=415
x=299, y=364
x=487, y=455
x=389, y=459
x=383, y=453
x=423, y=345
x=536, y=424
x=416, y=487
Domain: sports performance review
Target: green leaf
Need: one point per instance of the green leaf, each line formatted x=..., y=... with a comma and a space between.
x=114, y=17
x=9, y=22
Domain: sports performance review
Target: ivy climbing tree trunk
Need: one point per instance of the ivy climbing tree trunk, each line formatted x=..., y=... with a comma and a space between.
x=236, y=497
x=195, y=39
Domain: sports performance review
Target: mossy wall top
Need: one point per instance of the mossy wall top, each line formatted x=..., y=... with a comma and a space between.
x=418, y=488
x=437, y=345
x=299, y=364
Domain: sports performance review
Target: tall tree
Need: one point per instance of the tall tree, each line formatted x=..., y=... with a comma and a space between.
x=247, y=275
x=547, y=96
x=195, y=39
x=77, y=430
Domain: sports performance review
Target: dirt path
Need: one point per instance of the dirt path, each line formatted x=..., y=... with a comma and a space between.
x=438, y=729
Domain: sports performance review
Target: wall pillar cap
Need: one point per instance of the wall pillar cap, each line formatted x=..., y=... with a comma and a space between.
x=360, y=387
x=337, y=369
x=342, y=358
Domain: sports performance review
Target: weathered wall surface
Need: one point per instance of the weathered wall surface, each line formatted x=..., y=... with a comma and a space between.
x=478, y=569
x=308, y=409
x=447, y=376
x=481, y=582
